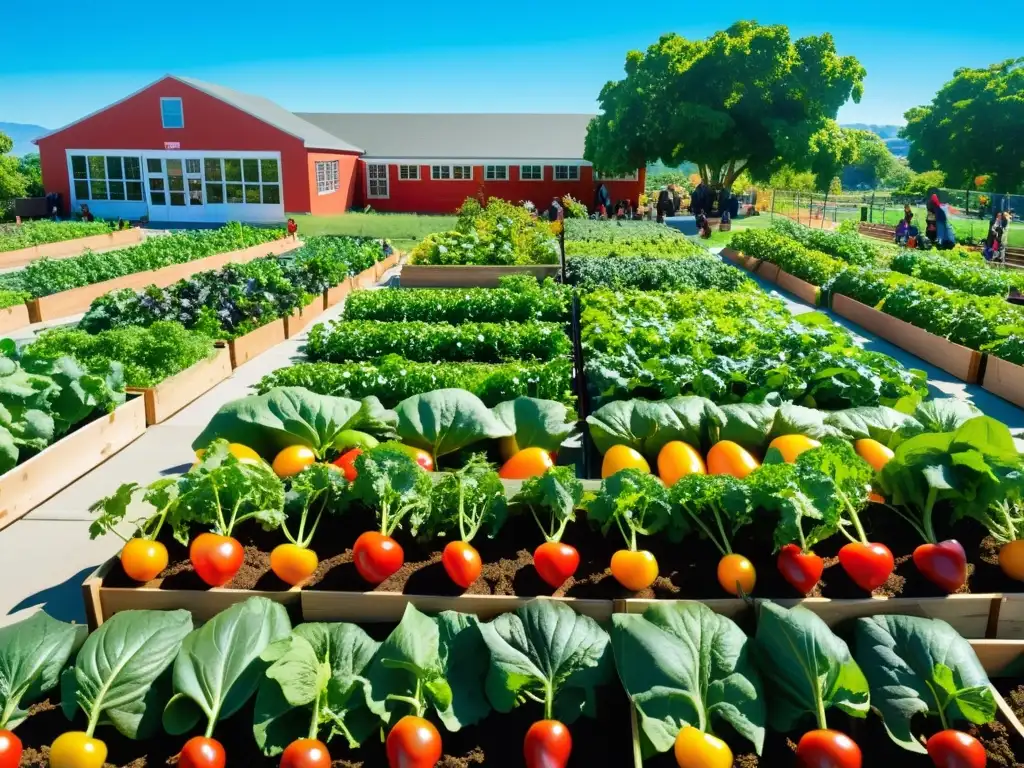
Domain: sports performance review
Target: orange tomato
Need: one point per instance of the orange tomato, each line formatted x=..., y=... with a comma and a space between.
x=621, y=457
x=677, y=459
x=634, y=570
x=237, y=450
x=877, y=498
x=728, y=458
x=736, y=574
x=529, y=462
x=873, y=452
x=1011, y=559
x=293, y=564
x=791, y=446
x=292, y=460
x=143, y=560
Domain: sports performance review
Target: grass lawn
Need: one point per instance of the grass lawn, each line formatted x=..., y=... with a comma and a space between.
x=403, y=230
x=722, y=238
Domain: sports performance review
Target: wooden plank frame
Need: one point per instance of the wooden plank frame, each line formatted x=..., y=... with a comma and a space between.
x=29, y=484
x=748, y=263
x=245, y=348
x=470, y=276
x=13, y=318
x=174, y=393
x=122, y=238
x=806, y=292
x=77, y=300
x=960, y=361
x=298, y=321
x=1004, y=379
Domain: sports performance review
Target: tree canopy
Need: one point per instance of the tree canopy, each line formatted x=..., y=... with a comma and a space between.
x=873, y=164
x=746, y=98
x=974, y=126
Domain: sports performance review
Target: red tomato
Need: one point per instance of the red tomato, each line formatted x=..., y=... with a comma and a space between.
x=869, y=565
x=547, y=745
x=799, y=568
x=529, y=462
x=306, y=753
x=347, y=463
x=944, y=564
x=413, y=743
x=421, y=457
x=377, y=556
x=555, y=562
x=827, y=749
x=462, y=562
x=10, y=750
x=200, y=752
x=956, y=749
x=216, y=558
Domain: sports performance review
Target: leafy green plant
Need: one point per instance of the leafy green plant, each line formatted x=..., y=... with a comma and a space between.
x=466, y=500
x=219, y=667
x=33, y=652
x=391, y=483
x=918, y=666
x=357, y=340
x=325, y=261
x=716, y=506
x=446, y=420
x=974, y=278
x=536, y=423
x=683, y=664
x=815, y=267
x=554, y=496
x=393, y=379
x=619, y=231
x=14, y=237
x=698, y=272
x=499, y=233
x=316, y=680
x=635, y=503
x=849, y=247
x=12, y=298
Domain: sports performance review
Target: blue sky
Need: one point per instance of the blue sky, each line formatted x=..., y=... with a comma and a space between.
x=452, y=56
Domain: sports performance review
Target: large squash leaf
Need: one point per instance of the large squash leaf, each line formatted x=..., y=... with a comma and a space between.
x=447, y=420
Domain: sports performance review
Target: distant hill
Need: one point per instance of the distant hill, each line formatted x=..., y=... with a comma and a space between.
x=888, y=133
x=23, y=133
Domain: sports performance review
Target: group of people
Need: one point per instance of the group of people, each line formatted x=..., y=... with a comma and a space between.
x=939, y=232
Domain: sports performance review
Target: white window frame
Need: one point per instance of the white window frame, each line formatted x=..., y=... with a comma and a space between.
x=370, y=169
x=408, y=173
x=107, y=180
x=634, y=176
x=491, y=173
x=181, y=110
x=326, y=176
x=446, y=172
x=572, y=172
x=522, y=177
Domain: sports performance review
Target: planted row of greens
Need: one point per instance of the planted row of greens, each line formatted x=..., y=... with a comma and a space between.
x=730, y=347
x=816, y=267
x=310, y=690
x=14, y=237
x=627, y=239
x=48, y=276
x=973, y=277
x=646, y=274
x=847, y=246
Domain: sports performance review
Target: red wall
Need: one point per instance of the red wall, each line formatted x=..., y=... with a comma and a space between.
x=429, y=196
x=332, y=203
x=210, y=125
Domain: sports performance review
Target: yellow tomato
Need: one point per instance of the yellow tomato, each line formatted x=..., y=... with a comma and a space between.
x=293, y=460
x=634, y=570
x=1011, y=559
x=736, y=574
x=791, y=446
x=873, y=452
x=293, y=564
x=529, y=462
x=677, y=459
x=74, y=749
x=728, y=458
x=621, y=457
x=143, y=560
x=237, y=450
x=696, y=749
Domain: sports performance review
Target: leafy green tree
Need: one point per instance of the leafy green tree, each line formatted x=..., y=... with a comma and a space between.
x=974, y=126
x=872, y=164
x=12, y=182
x=921, y=184
x=30, y=168
x=746, y=98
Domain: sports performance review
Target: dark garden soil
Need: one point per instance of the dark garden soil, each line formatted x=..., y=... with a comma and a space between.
x=497, y=742
x=688, y=568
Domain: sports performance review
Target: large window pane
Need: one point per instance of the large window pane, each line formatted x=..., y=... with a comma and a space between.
x=82, y=190
x=251, y=169
x=271, y=194
x=154, y=164
x=117, y=190
x=134, y=190
x=215, y=193
x=158, y=198
x=97, y=167
x=178, y=198
x=252, y=193
x=78, y=167
x=114, y=168
x=232, y=169
x=213, y=169
x=268, y=169
x=98, y=190
x=132, y=168
x=234, y=192
x=193, y=166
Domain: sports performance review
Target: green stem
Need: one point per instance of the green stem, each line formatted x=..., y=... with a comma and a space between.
x=854, y=517
x=312, y=531
x=314, y=726
x=94, y=720
x=210, y=723
x=842, y=530
x=820, y=703
x=160, y=522
x=910, y=521
x=384, y=518
x=929, y=529
x=220, y=512
x=549, y=701
x=707, y=531
x=462, y=511
x=721, y=528
x=234, y=517
x=414, y=703
x=539, y=524
x=557, y=535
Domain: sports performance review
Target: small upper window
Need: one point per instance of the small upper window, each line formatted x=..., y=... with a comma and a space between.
x=531, y=173
x=171, y=113
x=567, y=173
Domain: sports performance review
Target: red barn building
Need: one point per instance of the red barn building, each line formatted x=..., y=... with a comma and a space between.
x=181, y=150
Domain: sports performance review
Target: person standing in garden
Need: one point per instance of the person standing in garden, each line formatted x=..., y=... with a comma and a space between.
x=995, y=243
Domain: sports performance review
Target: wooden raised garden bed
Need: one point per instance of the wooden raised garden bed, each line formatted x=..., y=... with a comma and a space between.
x=960, y=361
x=172, y=394
x=13, y=318
x=1004, y=379
x=803, y=290
x=77, y=300
x=769, y=271
x=32, y=482
x=298, y=321
x=245, y=348
x=748, y=263
x=431, y=276
x=120, y=239
x=336, y=295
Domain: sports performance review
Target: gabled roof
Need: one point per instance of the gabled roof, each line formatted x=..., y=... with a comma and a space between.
x=459, y=136
x=262, y=109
